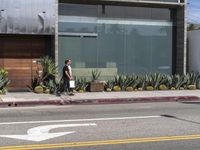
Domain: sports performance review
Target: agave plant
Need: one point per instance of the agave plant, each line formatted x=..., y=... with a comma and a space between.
x=145, y=81
x=167, y=80
x=179, y=81
x=153, y=80
x=48, y=67
x=3, y=72
x=136, y=81
x=3, y=81
x=95, y=74
x=129, y=81
x=122, y=81
x=81, y=84
x=156, y=80
x=50, y=85
x=45, y=78
x=192, y=78
x=132, y=81
x=109, y=85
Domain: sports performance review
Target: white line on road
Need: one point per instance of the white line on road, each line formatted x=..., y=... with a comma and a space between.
x=78, y=120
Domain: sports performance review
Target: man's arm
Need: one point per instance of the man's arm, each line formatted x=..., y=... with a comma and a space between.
x=68, y=75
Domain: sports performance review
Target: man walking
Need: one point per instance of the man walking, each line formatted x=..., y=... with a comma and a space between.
x=67, y=76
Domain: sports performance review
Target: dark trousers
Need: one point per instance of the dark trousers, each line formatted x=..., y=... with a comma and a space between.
x=66, y=85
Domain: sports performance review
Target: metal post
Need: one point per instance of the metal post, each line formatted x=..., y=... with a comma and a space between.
x=56, y=36
x=56, y=32
x=185, y=38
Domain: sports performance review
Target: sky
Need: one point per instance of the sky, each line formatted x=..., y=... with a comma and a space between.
x=193, y=13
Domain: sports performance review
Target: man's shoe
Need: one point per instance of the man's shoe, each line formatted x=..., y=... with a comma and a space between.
x=58, y=94
x=71, y=94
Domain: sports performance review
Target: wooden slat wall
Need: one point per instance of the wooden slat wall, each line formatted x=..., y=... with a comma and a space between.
x=17, y=54
x=1, y=53
x=1, y=63
x=19, y=72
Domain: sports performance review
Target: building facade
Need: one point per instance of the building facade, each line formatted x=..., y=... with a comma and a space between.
x=193, y=50
x=113, y=36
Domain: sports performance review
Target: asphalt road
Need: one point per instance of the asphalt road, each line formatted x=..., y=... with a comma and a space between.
x=139, y=126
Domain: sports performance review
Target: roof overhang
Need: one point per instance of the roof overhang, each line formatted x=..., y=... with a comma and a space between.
x=141, y=3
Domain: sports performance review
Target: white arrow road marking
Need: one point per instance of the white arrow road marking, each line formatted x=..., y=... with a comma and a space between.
x=41, y=133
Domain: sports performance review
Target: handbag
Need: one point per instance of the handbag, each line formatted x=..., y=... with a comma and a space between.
x=72, y=84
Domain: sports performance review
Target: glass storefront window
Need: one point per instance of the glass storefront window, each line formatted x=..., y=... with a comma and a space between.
x=176, y=1
x=116, y=43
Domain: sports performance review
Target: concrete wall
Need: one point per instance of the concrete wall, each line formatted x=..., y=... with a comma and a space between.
x=181, y=36
x=27, y=16
x=194, y=50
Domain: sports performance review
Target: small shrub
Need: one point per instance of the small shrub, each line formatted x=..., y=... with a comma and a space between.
x=140, y=89
x=47, y=91
x=3, y=91
x=38, y=89
x=81, y=91
x=116, y=88
x=108, y=85
x=150, y=88
x=192, y=78
x=81, y=84
x=155, y=80
x=192, y=87
x=129, y=88
x=3, y=81
x=95, y=74
x=173, y=88
x=108, y=89
x=179, y=81
x=46, y=76
x=121, y=81
x=163, y=87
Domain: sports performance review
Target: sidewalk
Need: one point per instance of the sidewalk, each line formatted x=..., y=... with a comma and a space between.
x=15, y=99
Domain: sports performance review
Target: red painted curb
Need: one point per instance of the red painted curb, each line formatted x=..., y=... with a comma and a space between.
x=101, y=101
x=135, y=100
x=31, y=103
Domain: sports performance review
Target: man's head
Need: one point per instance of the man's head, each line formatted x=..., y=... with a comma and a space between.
x=68, y=62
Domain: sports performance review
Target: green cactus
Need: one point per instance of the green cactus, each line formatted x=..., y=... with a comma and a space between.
x=116, y=88
x=38, y=89
x=4, y=82
x=129, y=88
x=149, y=88
x=163, y=87
x=192, y=87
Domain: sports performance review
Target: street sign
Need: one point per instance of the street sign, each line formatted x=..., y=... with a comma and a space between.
x=41, y=133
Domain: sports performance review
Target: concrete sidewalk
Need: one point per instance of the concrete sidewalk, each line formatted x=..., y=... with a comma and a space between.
x=14, y=99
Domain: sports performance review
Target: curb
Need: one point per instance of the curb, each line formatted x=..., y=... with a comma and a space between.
x=101, y=101
x=135, y=100
x=30, y=103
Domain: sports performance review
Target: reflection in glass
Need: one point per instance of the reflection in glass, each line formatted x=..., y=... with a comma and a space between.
x=120, y=45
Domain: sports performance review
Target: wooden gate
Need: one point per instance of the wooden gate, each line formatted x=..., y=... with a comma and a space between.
x=18, y=55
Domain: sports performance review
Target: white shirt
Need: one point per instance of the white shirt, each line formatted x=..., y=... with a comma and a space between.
x=70, y=70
